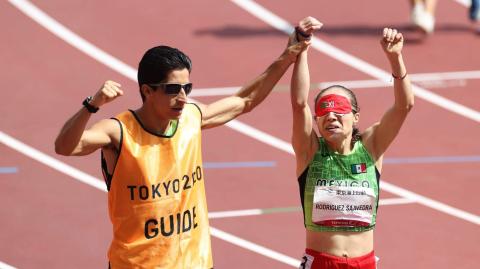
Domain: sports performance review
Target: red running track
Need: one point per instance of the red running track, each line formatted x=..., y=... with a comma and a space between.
x=50, y=220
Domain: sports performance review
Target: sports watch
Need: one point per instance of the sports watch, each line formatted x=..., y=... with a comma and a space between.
x=88, y=106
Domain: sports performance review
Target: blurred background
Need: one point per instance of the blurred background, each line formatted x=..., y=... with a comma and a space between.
x=53, y=209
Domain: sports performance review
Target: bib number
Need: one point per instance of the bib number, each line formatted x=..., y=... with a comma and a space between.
x=340, y=206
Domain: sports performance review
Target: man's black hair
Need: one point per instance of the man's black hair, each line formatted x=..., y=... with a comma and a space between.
x=158, y=62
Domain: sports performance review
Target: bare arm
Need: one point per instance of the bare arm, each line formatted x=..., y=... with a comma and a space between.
x=304, y=138
x=252, y=94
x=73, y=139
x=378, y=137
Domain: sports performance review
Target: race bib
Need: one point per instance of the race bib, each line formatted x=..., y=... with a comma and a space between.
x=341, y=206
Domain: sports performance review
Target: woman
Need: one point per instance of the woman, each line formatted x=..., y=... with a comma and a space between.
x=339, y=169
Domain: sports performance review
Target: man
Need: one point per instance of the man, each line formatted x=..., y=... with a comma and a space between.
x=151, y=158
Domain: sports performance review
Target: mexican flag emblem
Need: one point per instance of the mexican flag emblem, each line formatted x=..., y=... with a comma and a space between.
x=359, y=168
x=328, y=104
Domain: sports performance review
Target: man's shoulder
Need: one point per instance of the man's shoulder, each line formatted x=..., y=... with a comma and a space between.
x=110, y=126
x=195, y=107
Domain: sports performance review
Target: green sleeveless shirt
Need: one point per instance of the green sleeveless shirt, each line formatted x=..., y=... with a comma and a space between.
x=340, y=192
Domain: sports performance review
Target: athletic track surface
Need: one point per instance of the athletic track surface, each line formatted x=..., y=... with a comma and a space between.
x=53, y=210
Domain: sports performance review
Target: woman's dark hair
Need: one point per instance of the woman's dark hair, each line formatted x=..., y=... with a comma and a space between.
x=158, y=62
x=356, y=134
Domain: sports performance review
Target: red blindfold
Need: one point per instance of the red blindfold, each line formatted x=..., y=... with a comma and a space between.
x=332, y=103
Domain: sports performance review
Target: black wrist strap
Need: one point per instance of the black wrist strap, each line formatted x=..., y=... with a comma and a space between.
x=88, y=106
x=298, y=31
x=401, y=77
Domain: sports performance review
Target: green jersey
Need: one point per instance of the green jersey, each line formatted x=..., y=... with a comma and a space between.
x=340, y=192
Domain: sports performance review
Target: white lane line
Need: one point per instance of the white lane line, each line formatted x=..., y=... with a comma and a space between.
x=265, y=211
x=442, y=207
x=471, y=74
x=214, y=91
x=98, y=184
x=465, y=3
x=51, y=162
x=354, y=62
x=6, y=266
x=260, y=136
x=73, y=39
x=438, y=78
x=238, y=213
x=255, y=247
x=395, y=201
x=236, y=125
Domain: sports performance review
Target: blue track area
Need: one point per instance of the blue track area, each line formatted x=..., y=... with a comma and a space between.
x=8, y=170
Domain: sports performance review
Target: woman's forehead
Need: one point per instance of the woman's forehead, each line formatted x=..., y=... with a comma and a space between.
x=337, y=91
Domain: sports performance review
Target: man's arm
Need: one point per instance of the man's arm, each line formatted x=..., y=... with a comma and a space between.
x=75, y=140
x=252, y=94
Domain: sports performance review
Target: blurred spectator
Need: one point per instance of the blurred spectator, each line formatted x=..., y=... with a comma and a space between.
x=423, y=14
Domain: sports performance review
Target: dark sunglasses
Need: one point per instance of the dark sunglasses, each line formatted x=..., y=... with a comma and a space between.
x=173, y=88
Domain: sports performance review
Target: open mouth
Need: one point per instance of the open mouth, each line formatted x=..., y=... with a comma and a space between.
x=332, y=128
